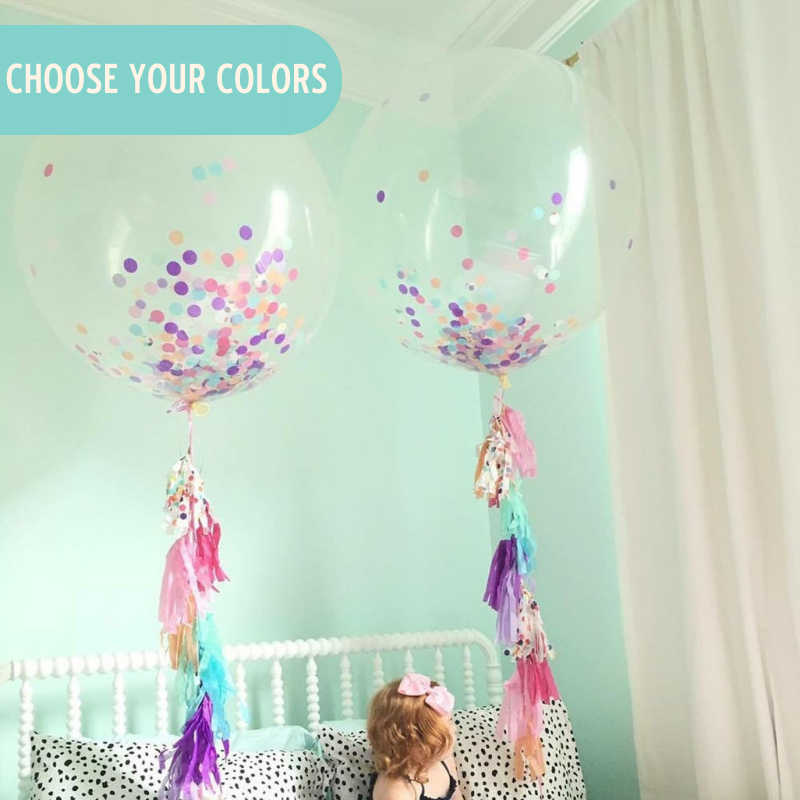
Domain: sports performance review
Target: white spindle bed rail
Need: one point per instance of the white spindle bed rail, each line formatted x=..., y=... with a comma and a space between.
x=27, y=672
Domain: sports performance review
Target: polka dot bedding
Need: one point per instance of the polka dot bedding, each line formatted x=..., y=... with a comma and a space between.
x=67, y=769
x=485, y=766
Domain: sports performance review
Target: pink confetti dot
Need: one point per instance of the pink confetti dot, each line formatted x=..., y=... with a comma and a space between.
x=523, y=253
x=113, y=341
x=151, y=289
x=557, y=199
x=227, y=259
x=229, y=164
x=156, y=316
x=468, y=263
x=292, y=275
x=550, y=288
x=209, y=198
x=48, y=170
x=456, y=231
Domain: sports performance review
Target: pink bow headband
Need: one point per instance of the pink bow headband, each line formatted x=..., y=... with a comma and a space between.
x=437, y=697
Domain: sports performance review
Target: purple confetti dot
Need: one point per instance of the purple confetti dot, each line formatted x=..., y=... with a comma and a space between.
x=232, y=370
x=557, y=199
x=425, y=96
x=285, y=349
x=119, y=280
x=246, y=232
x=402, y=288
x=381, y=196
x=130, y=265
x=198, y=350
x=453, y=307
x=135, y=379
x=162, y=283
x=486, y=342
x=413, y=291
x=278, y=254
x=183, y=336
x=171, y=327
x=416, y=323
x=410, y=311
x=254, y=340
x=260, y=268
x=173, y=268
x=281, y=337
x=505, y=363
x=190, y=257
x=612, y=184
x=218, y=303
x=194, y=310
x=141, y=304
x=164, y=366
x=241, y=349
x=181, y=287
x=177, y=372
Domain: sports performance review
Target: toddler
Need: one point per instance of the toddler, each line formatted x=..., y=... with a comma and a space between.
x=412, y=735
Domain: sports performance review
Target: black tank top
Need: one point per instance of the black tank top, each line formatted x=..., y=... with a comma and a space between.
x=448, y=796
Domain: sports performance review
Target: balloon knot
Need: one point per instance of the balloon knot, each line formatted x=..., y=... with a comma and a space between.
x=196, y=408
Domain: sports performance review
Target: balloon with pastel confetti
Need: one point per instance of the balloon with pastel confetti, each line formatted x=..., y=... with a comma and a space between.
x=192, y=267
x=490, y=207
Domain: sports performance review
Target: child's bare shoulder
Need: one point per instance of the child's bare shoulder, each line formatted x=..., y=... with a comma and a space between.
x=393, y=789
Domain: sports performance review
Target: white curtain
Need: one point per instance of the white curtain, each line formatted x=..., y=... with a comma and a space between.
x=704, y=364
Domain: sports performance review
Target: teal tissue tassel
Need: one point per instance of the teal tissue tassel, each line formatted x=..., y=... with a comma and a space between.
x=516, y=523
x=213, y=673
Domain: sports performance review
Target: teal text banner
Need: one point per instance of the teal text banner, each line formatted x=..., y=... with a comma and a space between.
x=165, y=79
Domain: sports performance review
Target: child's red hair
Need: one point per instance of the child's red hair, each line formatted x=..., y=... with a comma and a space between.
x=406, y=734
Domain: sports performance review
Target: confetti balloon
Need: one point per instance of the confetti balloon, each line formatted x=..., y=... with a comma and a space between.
x=190, y=266
x=492, y=205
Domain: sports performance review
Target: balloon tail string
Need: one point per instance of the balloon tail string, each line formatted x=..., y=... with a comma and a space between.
x=191, y=433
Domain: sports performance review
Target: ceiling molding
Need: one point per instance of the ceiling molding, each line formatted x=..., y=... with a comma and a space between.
x=373, y=59
x=491, y=22
x=562, y=25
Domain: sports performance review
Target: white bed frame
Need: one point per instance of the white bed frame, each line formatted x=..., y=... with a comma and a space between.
x=27, y=671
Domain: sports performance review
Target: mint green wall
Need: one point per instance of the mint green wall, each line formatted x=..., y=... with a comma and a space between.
x=341, y=486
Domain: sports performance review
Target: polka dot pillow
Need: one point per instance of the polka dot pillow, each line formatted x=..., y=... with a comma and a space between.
x=351, y=756
x=486, y=766
x=71, y=768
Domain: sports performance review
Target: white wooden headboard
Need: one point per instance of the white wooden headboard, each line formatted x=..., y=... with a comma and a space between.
x=26, y=672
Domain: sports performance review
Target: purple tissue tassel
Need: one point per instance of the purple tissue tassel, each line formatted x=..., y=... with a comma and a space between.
x=504, y=590
x=194, y=758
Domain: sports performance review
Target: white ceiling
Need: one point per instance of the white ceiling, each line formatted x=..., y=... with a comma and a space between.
x=377, y=41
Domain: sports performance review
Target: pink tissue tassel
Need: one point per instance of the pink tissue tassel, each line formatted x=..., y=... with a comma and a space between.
x=521, y=717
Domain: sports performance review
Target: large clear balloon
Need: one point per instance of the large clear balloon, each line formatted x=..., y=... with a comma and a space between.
x=190, y=266
x=491, y=206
